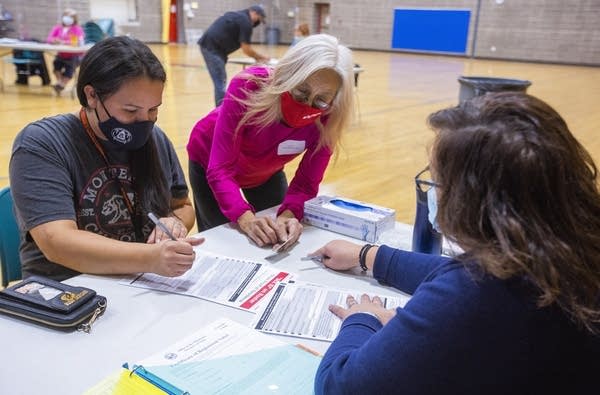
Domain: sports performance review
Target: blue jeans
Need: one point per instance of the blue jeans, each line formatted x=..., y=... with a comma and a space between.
x=215, y=63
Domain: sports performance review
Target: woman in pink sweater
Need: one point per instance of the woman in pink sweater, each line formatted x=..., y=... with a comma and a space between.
x=68, y=32
x=269, y=117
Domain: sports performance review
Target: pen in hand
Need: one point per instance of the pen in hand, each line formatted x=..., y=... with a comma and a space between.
x=314, y=258
x=162, y=226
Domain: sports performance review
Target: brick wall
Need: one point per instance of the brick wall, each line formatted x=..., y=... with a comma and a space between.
x=149, y=27
x=35, y=19
x=539, y=30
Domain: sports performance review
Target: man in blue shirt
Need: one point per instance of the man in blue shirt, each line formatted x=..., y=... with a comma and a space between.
x=227, y=34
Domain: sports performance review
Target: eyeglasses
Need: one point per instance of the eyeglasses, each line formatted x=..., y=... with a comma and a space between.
x=425, y=184
x=301, y=96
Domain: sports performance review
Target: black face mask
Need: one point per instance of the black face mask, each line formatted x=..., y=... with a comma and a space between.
x=255, y=24
x=125, y=136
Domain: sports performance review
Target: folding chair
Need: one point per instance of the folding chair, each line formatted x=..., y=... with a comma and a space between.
x=9, y=239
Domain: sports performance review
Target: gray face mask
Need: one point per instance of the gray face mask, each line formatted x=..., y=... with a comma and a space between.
x=432, y=207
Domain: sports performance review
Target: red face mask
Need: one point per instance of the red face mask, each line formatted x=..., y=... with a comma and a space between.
x=297, y=114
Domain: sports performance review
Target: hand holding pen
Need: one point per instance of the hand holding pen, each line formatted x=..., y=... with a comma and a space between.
x=173, y=258
x=314, y=258
x=339, y=254
x=168, y=227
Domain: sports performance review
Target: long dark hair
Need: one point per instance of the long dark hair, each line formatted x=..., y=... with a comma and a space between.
x=106, y=67
x=519, y=193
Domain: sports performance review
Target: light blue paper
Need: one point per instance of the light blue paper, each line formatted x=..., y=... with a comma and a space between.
x=280, y=370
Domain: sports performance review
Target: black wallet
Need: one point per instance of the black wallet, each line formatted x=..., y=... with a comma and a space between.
x=53, y=304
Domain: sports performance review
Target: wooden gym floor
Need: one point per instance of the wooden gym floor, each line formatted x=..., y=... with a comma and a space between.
x=387, y=142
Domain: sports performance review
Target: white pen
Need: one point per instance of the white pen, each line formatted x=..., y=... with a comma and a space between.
x=162, y=226
x=314, y=258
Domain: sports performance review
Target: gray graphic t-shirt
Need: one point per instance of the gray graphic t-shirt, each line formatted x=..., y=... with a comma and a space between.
x=56, y=173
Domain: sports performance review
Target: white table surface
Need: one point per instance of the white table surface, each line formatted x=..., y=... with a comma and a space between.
x=44, y=47
x=140, y=322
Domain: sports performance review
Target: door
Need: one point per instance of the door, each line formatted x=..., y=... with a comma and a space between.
x=322, y=18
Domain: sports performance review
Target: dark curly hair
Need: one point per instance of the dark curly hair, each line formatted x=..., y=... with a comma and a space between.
x=519, y=194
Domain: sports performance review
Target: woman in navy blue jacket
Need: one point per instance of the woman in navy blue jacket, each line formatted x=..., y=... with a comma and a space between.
x=519, y=311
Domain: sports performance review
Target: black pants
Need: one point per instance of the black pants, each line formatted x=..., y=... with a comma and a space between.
x=65, y=66
x=208, y=213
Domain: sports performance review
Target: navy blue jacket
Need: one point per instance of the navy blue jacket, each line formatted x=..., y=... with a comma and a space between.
x=461, y=333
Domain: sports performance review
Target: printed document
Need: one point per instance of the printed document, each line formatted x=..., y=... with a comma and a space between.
x=301, y=310
x=229, y=281
x=229, y=358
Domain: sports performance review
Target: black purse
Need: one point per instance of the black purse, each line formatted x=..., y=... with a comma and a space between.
x=52, y=304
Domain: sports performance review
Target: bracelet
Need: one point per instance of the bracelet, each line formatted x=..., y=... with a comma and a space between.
x=362, y=256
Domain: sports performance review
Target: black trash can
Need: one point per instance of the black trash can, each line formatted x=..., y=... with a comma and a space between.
x=476, y=86
x=273, y=35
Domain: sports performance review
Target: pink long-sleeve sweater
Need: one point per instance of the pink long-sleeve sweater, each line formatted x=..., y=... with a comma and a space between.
x=251, y=157
x=65, y=36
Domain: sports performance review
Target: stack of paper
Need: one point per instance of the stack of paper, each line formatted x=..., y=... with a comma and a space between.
x=228, y=358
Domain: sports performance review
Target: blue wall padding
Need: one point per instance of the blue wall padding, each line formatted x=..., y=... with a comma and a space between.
x=439, y=30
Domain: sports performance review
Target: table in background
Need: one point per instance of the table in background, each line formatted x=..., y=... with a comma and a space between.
x=8, y=45
x=139, y=322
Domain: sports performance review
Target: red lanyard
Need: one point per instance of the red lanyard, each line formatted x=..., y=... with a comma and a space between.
x=92, y=136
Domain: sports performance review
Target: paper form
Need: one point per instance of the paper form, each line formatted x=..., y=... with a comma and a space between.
x=229, y=281
x=301, y=310
x=228, y=358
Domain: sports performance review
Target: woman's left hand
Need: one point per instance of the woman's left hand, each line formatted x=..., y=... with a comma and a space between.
x=176, y=227
x=289, y=231
x=366, y=305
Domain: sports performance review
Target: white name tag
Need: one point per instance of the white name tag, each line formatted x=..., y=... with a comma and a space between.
x=290, y=147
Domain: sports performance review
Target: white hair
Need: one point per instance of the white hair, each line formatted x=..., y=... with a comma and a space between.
x=312, y=54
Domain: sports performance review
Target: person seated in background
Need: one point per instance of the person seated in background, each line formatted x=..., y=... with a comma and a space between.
x=68, y=32
x=84, y=183
x=269, y=116
x=519, y=311
x=301, y=31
